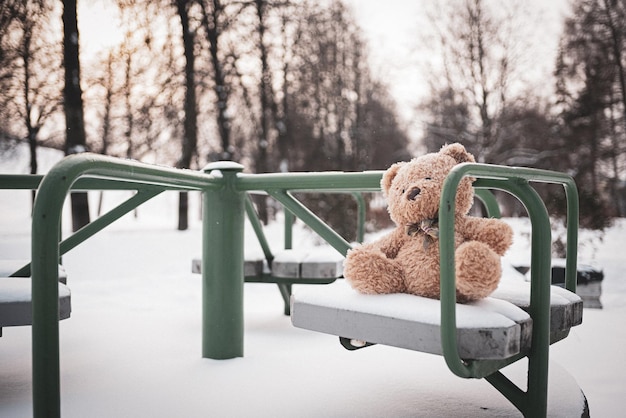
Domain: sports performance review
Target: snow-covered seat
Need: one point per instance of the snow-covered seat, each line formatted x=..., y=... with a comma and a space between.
x=321, y=264
x=566, y=308
x=311, y=263
x=10, y=266
x=496, y=327
x=314, y=265
x=411, y=322
x=16, y=302
x=254, y=265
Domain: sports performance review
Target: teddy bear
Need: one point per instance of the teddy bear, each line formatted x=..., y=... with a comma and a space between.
x=406, y=260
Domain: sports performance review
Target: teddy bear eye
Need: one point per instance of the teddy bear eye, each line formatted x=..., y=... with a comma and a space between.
x=428, y=178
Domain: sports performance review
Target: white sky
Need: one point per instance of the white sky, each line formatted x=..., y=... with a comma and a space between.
x=98, y=26
x=393, y=28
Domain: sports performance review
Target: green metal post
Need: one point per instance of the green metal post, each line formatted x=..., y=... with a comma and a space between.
x=489, y=201
x=258, y=229
x=222, y=265
x=288, y=239
x=46, y=231
x=533, y=403
x=361, y=207
x=538, y=358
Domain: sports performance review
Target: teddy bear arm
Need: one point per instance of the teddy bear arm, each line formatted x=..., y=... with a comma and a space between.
x=497, y=234
x=391, y=244
x=387, y=245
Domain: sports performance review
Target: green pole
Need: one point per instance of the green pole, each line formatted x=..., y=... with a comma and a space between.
x=222, y=264
x=538, y=358
x=489, y=201
x=288, y=238
x=46, y=230
x=361, y=214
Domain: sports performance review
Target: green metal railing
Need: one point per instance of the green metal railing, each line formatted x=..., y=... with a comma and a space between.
x=285, y=284
x=52, y=192
x=533, y=401
x=225, y=201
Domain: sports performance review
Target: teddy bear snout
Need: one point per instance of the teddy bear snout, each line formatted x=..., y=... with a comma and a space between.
x=413, y=193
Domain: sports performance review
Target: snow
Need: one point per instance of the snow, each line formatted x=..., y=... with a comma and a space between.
x=13, y=289
x=132, y=346
x=290, y=256
x=487, y=313
x=323, y=254
x=520, y=293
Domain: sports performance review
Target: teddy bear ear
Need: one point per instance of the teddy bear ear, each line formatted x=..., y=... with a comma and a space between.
x=389, y=175
x=458, y=152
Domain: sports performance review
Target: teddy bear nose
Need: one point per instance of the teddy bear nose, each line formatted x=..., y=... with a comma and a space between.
x=413, y=193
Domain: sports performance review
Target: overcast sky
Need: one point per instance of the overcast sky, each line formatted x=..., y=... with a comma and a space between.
x=392, y=28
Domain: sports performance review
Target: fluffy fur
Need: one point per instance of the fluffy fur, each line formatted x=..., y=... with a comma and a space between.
x=407, y=259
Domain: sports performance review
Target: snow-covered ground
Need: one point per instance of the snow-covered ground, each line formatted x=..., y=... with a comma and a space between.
x=132, y=346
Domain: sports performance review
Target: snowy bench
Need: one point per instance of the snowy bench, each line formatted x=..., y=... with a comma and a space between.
x=479, y=339
x=497, y=327
x=588, y=281
x=9, y=267
x=16, y=302
x=321, y=265
x=497, y=330
x=317, y=265
x=16, y=295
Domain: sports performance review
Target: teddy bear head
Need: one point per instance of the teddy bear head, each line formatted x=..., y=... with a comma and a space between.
x=413, y=189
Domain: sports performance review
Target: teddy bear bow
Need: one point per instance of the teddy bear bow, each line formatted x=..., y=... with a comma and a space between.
x=428, y=227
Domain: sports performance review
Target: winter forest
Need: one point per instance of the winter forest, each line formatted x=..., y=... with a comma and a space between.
x=286, y=85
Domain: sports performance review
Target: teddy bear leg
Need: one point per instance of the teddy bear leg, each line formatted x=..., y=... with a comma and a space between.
x=478, y=271
x=370, y=271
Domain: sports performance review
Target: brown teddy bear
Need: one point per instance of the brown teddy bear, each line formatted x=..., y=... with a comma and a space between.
x=407, y=259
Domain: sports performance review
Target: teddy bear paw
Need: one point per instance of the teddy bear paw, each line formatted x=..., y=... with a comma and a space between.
x=478, y=271
x=371, y=272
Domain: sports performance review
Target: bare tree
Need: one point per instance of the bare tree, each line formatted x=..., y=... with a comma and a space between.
x=345, y=120
x=266, y=93
x=75, y=140
x=482, y=51
x=215, y=21
x=40, y=95
x=136, y=89
x=10, y=10
x=29, y=74
x=190, y=134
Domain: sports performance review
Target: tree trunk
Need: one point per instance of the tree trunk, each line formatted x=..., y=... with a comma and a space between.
x=212, y=27
x=616, y=46
x=73, y=103
x=190, y=135
x=266, y=97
